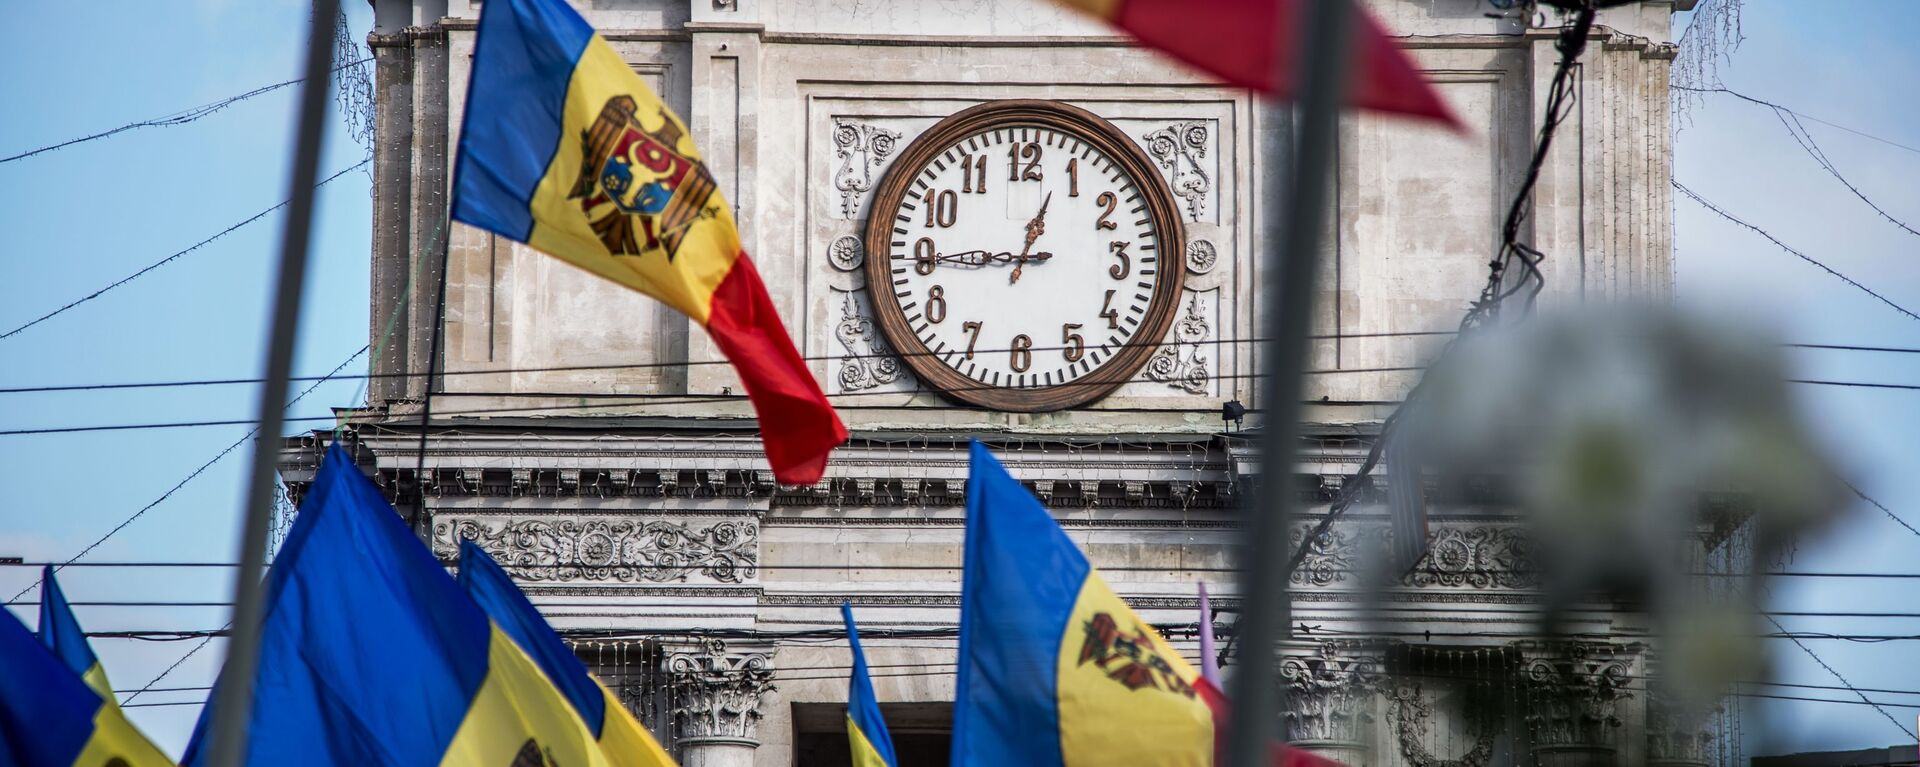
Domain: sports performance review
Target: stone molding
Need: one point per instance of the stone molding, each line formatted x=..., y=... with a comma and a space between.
x=1412, y=716
x=606, y=547
x=1481, y=557
x=718, y=691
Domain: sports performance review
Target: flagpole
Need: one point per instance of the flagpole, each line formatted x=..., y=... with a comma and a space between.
x=233, y=701
x=1295, y=219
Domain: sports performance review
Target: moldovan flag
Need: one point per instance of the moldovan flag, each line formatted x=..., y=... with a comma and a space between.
x=1054, y=668
x=565, y=149
x=625, y=742
x=866, y=732
x=50, y=718
x=1253, y=44
x=61, y=634
x=371, y=654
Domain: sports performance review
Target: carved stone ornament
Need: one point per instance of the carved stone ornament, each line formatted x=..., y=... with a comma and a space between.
x=1201, y=256
x=1412, y=716
x=1178, y=149
x=1677, y=737
x=869, y=361
x=1328, y=697
x=608, y=548
x=718, y=692
x=1183, y=364
x=1338, y=554
x=846, y=253
x=1574, y=697
x=1479, y=557
x=861, y=148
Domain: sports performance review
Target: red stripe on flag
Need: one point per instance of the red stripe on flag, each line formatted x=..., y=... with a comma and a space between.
x=797, y=426
x=1254, y=44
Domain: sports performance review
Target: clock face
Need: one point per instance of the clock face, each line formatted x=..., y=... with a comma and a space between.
x=1024, y=255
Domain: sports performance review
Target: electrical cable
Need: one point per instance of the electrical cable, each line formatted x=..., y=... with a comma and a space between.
x=177, y=118
x=1797, y=113
x=1783, y=246
x=1805, y=139
x=169, y=259
x=56, y=388
x=189, y=478
x=1843, y=680
x=609, y=401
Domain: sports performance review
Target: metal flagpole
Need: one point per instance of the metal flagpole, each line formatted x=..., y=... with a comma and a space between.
x=1295, y=219
x=233, y=703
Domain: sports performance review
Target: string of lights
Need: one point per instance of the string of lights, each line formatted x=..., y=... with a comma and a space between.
x=177, y=118
x=1721, y=212
x=169, y=259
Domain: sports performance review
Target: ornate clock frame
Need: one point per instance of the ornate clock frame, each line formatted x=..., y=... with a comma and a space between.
x=1017, y=113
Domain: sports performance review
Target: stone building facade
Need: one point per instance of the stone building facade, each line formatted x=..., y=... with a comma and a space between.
x=586, y=437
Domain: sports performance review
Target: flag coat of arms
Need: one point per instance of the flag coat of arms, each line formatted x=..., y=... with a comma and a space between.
x=565, y=149
x=622, y=738
x=867, y=734
x=371, y=654
x=50, y=717
x=1054, y=668
x=61, y=633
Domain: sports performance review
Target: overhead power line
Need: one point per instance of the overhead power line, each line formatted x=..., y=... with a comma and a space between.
x=177, y=118
x=1783, y=246
x=168, y=259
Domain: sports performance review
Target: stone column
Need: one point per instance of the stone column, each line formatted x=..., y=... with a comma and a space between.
x=1574, y=713
x=1677, y=736
x=1328, y=703
x=717, y=695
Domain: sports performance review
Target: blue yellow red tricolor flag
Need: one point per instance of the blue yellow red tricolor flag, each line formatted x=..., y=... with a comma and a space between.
x=565, y=149
x=371, y=654
x=49, y=717
x=625, y=742
x=1250, y=43
x=867, y=732
x=1054, y=668
x=61, y=634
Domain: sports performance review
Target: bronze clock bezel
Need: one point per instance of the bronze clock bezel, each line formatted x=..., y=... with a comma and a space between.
x=1025, y=113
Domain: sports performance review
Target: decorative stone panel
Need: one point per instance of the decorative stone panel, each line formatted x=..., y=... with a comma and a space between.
x=618, y=548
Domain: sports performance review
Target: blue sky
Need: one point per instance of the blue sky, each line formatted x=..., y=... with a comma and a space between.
x=81, y=217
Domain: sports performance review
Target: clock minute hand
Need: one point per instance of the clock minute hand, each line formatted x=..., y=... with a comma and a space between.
x=1035, y=228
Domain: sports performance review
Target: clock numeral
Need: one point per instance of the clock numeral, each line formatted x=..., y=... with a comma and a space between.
x=943, y=209
x=1120, y=270
x=936, y=304
x=924, y=257
x=1074, y=346
x=973, y=330
x=972, y=167
x=1107, y=199
x=1030, y=150
x=1073, y=177
x=1110, y=314
x=1020, y=357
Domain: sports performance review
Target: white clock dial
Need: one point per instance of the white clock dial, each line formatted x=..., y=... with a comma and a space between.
x=1025, y=258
